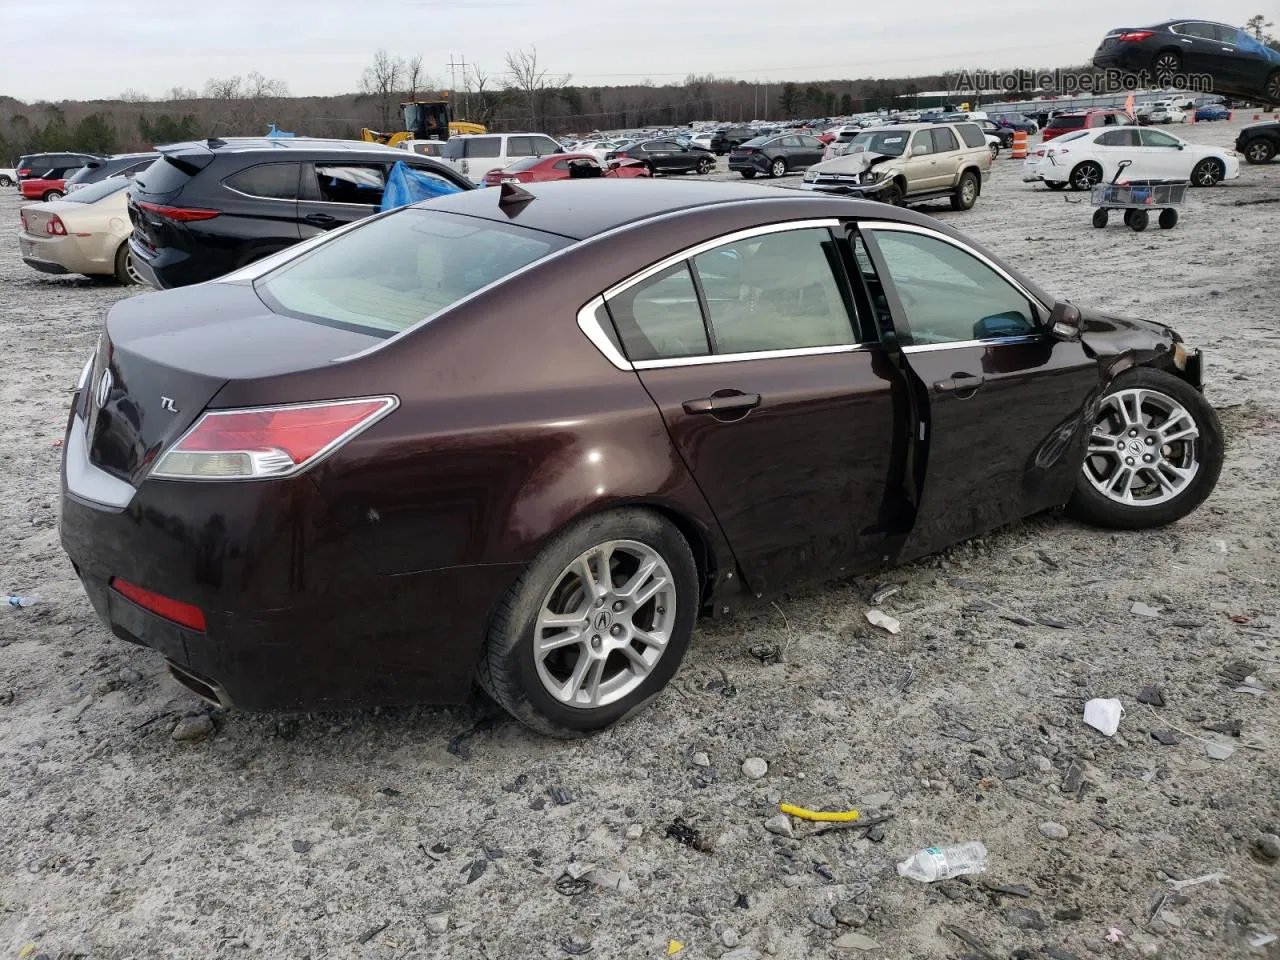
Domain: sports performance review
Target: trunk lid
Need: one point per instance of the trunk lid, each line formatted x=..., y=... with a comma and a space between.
x=164, y=357
x=36, y=216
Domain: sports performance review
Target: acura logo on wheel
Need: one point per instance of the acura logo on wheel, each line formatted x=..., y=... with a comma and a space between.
x=103, y=393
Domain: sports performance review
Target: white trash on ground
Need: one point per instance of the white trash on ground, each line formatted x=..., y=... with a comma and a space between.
x=943, y=863
x=1104, y=715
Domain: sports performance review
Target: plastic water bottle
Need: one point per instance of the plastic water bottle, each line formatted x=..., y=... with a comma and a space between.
x=942, y=863
x=30, y=601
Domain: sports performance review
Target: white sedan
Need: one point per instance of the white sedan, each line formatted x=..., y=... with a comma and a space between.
x=1086, y=158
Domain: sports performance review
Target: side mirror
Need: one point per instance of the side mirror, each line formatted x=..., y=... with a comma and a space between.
x=1065, y=321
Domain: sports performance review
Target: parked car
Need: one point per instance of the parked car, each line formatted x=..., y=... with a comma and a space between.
x=569, y=166
x=1016, y=122
x=1259, y=142
x=85, y=232
x=505, y=438
x=1212, y=111
x=702, y=141
x=1084, y=120
x=207, y=207
x=1003, y=135
x=909, y=163
x=8, y=176
x=1162, y=111
x=121, y=165
x=43, y=176
x=666, y=156
x=1236, y=61
x=1094, y=156
x=776, y=156
x=476, y=154
x=726, y=138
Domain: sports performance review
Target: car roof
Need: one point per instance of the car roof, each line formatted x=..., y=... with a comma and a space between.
x=583, y=209
x=249, y=144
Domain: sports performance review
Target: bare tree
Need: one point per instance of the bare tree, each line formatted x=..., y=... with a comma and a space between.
x=414, y=76
x=180, y=93
x=258, y=87
x=532, y=82
x=480, y=94
x=381, y=80
x=133, y=95
x=229, y=88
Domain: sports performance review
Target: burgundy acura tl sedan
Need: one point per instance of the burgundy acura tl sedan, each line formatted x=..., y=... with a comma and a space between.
x=528, y=435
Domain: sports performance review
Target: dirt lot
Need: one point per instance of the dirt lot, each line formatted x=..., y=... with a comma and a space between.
x=447, y=833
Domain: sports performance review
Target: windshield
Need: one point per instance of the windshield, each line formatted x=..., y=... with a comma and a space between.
x=96, y=191
x=399, y=269
x=889, y=143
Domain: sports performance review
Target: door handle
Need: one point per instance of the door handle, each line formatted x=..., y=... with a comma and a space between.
x=320, y=219
x=723, y=404
x=960, y=383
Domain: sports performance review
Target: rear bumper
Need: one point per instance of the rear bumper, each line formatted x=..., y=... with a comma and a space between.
x=61, y=255
x=45, y=266
x=170, y=267
x=295, y=617
x=758, y=164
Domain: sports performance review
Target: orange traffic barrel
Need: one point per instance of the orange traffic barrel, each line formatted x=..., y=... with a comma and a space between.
x=1019, y=151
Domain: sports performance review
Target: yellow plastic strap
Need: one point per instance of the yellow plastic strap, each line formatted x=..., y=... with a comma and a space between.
x=824, y=816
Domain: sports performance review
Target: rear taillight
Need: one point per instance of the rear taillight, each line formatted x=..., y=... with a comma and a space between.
x=55, y=227
x=1133, y=36
x=268, y=441
x=180, y=214
x=183, y=614
x=24, y=172
x=622, y=156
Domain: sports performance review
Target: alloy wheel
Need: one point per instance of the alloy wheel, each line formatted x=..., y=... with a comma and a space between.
x=1167, y=63
x=1259, y=151
x=131, y=270
x=968, y=191
x=779, y=168
x=604, y=624
x=1272, y=89
x=1144, y=448
x=1086, y=176
x=1208, y=173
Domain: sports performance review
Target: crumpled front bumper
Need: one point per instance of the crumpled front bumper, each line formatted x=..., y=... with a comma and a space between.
x=844, y=188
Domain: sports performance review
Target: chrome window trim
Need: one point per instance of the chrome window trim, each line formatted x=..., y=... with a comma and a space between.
x=590, y=326
x=757, y=355
x=959, y=245
x=957, y=344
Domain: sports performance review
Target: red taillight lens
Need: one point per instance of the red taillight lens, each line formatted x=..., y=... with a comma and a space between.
x=180, y=214
x=183, y=614
x=1134, y=36
x=622, y=156
x=269, y=441
x=24, y=172
x=55, y=227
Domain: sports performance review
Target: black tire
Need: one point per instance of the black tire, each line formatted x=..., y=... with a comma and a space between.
x=777, y=168
x=892, y=194
x=965, y=194
x=705, y=165
x=1165, y=64
x=1168, y=218
x=747, y=174
x=507, y=670
x=1128, y=217
x=1086, y=175
x=123, y=276
x=5, y=182
x=1100, y=218
x=1088, y=504
x=1259, y=150
x=1271, y=89
x=1056, y=184
x=995, y=151
x=52, y=195
x=1139, y=220
x=1208, y=173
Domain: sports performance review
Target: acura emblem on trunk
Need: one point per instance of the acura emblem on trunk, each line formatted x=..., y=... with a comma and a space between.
x=103, y=393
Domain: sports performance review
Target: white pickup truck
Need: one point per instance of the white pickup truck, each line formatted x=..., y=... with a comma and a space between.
x=8, y=176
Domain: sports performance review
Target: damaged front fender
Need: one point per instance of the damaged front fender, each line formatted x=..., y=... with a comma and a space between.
x=1122, y=343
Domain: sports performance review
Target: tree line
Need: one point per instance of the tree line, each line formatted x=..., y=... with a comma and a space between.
x=526, y=94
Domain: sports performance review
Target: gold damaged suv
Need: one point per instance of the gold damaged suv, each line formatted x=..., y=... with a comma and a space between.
x=909, y=163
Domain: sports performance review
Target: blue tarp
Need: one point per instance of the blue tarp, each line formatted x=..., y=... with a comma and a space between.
x=406, y=185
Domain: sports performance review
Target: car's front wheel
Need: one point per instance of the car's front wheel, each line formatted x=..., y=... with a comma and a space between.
x=5, y=182
x=596, y=626
x=1154, y=453
x=1259, y=151
x=705, y=165
x=1208, y=172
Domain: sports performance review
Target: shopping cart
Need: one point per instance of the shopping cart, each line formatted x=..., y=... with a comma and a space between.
x=1138, y=199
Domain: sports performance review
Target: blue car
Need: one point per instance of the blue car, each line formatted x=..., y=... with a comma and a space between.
x=1212, y=111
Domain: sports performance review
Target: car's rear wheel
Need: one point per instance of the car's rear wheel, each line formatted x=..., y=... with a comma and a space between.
x=1271, y=89
x=777, y=168
x=1166, y=64
x=5, y=182
x=596, y=626
x=1154, y=453
x=747, y=174
x=1086, y=176
x=1259, y=151
x=966, y=192
x=51, y=195
x=1056, y=184
x=125, y=273
x=1208, y=172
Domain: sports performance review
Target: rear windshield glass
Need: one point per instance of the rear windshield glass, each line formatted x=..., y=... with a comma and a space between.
x=756, y=142
x=394, y=271
x=163, y=176
x=1067, y=123
x=524, y=163
x=96, y=191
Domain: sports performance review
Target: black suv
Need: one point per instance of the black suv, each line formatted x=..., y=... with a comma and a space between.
x=726, y=138
x=121, y=165
x=208, y=207
x=1259, y=142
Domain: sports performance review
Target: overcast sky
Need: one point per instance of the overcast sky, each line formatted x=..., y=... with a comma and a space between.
x=95, y=49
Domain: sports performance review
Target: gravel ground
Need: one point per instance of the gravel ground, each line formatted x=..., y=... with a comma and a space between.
x=434, y=833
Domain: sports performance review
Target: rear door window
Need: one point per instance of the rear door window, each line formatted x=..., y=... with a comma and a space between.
x=944, y=141
x=272, y=181
x=484, y=147
x=544, y=146
x=519, y=147
x=973, y=135
x=397, y=270
x=341, y=182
